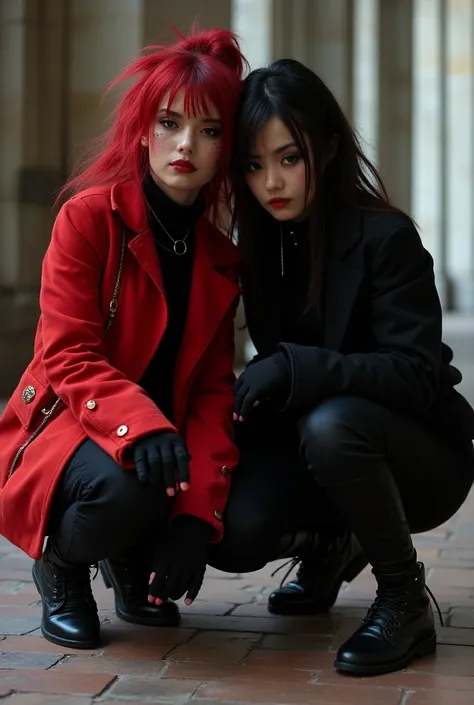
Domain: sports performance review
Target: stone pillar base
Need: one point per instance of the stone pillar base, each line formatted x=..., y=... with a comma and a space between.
x=463, y=294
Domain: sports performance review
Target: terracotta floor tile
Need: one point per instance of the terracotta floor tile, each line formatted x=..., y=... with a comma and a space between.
x=296, y=694
x=440, y=697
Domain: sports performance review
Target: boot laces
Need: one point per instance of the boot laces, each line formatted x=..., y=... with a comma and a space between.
x=435, y=602
x=389, y=605
x=75, y=583
x=305, y=573
x=293, y=562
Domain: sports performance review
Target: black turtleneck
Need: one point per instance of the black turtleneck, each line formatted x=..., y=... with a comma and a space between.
x=178, y=220
x=297, y=324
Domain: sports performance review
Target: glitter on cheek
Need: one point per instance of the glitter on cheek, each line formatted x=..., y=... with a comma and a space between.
x=159, y=135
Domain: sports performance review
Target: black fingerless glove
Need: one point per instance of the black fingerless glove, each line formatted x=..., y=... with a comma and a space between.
x=181, y=559
x=162, y=459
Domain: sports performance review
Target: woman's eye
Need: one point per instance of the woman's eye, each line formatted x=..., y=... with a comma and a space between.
x=168, y=124
x=212, y=131
x=253, y=166
x=291, y=159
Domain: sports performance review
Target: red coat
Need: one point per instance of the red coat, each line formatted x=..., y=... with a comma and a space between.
x=73, y=357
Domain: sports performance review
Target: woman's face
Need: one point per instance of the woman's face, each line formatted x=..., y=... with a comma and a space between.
x=276, y=173
x=184, y=150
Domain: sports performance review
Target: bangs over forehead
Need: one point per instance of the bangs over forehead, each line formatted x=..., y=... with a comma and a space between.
x=207, y=90
x=197, y=99
x=254, y=116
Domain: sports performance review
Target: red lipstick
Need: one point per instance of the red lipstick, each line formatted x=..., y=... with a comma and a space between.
x=278, y=202
x=183, y=165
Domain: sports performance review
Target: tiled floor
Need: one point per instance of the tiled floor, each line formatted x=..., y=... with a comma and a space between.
x=229, y=649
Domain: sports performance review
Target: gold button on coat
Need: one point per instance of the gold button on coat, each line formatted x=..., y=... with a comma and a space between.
x=91, y=404
x=224, y=470
x=218, y=515
x=122, y=430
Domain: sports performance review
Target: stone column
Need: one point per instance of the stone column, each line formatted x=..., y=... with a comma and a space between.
x=460, y=152
x=33, y=43
x=395, y=98
x=331, y=48
x=253, y=22
x=104, y=37
x=159, y=17
x=365, y=75
x=316, y=32
x=429, y=134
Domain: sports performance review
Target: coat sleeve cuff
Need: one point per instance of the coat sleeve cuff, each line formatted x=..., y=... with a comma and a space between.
x=308, y=379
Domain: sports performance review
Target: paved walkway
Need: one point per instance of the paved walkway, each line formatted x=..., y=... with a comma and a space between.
x=230, y=650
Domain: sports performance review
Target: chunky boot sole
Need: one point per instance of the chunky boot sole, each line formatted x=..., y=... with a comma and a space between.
x=164, y=620
x=423, y=648
x=295, y=608
x=61, y=641
x=70, y=643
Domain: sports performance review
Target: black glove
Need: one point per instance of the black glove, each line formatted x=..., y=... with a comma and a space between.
x=181, y=559
x=269, y=378
x=162, y=458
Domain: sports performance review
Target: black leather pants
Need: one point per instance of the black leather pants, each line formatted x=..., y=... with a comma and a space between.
x=99, y=509
x=347, y=463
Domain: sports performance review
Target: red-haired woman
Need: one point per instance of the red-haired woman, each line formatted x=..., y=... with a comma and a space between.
x=118, y=439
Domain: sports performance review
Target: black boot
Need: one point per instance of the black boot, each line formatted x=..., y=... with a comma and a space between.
x=69, y=610
x=323, y=569
x=128, y=576
x=400, y=624
x=398, y=627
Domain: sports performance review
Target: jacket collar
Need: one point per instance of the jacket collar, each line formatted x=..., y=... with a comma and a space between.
x=128, y=201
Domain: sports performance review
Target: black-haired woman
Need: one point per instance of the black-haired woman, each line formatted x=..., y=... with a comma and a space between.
x=348, y=417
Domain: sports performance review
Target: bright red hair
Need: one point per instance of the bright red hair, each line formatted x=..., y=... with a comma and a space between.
x=208, y=65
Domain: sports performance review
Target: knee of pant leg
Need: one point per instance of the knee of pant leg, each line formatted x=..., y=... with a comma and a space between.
x=247, y=542
x=337, y=427
x=129, y=505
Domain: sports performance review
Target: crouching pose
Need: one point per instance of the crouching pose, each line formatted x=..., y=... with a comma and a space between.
x=117, y=443
x=348, y=420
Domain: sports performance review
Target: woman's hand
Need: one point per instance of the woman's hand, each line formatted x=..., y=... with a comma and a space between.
x=269, y=378
x=181, y=560
x=162, y=458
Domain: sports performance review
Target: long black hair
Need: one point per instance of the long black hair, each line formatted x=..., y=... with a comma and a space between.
x=300, y=99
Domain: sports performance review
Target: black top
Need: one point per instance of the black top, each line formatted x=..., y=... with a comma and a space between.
x=295, y=325
x=178, y=220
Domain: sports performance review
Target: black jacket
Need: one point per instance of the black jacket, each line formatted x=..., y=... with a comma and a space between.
x=382, y=326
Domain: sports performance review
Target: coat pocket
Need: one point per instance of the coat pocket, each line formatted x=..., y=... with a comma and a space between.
x=31, y=400
x=34, y=403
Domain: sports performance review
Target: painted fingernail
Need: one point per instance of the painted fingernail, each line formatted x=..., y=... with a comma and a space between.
x=170, y=492
x=185, y=486
x=235, y=417
x=188, y=601
x=152, y=577
x=241, y=418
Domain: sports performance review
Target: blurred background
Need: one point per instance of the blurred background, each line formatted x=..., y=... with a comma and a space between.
x=402, y=69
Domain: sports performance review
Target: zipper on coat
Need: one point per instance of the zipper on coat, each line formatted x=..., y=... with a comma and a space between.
x=47, y=415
